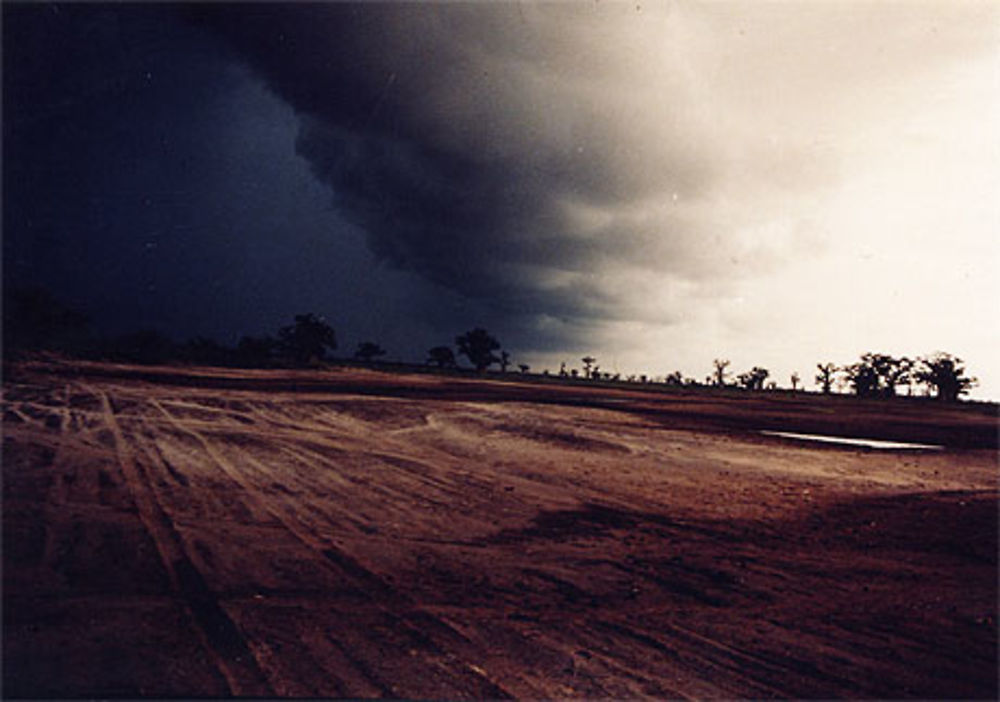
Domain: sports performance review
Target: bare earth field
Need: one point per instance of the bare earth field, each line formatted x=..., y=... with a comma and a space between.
x=208, y=532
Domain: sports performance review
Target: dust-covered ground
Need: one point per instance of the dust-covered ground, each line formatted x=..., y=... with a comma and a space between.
x=172, y=532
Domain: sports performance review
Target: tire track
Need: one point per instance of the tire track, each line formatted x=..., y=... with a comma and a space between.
x=324, y=548
x=218, y=633
x=19, y=415
x=396, y=606
x=577, y=646
x=695, y=655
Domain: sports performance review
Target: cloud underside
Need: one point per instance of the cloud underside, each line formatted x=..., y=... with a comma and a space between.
x=574, y=162
x=527, y=158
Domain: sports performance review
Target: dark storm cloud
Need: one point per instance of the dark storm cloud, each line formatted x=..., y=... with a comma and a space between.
x=493, y=149
x=152, y=181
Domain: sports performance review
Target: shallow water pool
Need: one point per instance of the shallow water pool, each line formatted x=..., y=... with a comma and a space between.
x=847, y=441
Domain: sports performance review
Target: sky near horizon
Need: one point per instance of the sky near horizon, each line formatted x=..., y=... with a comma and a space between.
x=653, y=184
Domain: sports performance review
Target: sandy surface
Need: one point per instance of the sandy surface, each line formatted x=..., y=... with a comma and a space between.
x=274, y=533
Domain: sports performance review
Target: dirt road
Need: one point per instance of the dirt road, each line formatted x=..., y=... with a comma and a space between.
x=257, y=536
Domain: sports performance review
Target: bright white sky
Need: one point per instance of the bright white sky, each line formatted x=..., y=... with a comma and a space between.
x=855, y=197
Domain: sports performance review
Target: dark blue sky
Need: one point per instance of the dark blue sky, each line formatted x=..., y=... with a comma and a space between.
x=656, y=185
x=152, y=180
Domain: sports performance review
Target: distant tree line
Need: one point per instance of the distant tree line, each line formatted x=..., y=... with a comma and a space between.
x=881, y=375
x=34, y=319
x=873, y=375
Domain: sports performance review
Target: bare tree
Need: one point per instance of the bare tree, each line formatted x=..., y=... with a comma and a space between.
x=825, y=376
x=720, y=371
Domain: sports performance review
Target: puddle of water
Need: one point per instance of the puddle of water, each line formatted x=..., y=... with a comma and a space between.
x=869, y=443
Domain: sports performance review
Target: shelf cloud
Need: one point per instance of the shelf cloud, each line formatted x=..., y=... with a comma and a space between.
x=652, y=184
x=531, y=157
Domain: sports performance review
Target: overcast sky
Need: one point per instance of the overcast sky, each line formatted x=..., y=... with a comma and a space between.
x=654, y=184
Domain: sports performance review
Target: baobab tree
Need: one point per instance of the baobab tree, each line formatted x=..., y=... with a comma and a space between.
x=307, y=339
x=720, y=371
x=891, y=371
x=863, y=378
x=825, y=376
x=946, y=374
x=478, y=346
x=754, y=378
x=878, y=374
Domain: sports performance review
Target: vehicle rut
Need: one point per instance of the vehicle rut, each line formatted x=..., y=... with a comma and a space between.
x=220, y=635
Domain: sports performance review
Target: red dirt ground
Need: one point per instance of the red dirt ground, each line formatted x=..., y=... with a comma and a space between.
x=209, y=532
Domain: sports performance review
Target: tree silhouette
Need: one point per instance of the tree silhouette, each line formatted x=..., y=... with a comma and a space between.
x=825, y=376
x=754, y=379
x=720, y=371
x=676, y=379
x=368, y=351
x=878, y=374
x=588, y=361
x=478, y=346
x=890, y=371
x=504, y=361
x=795, y=381
x=946, y=374
x=863, y=378
x=523, y=367
x=443, y=356
x=308, y=339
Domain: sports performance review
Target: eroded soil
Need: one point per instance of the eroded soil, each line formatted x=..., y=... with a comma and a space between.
x=382, y=535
